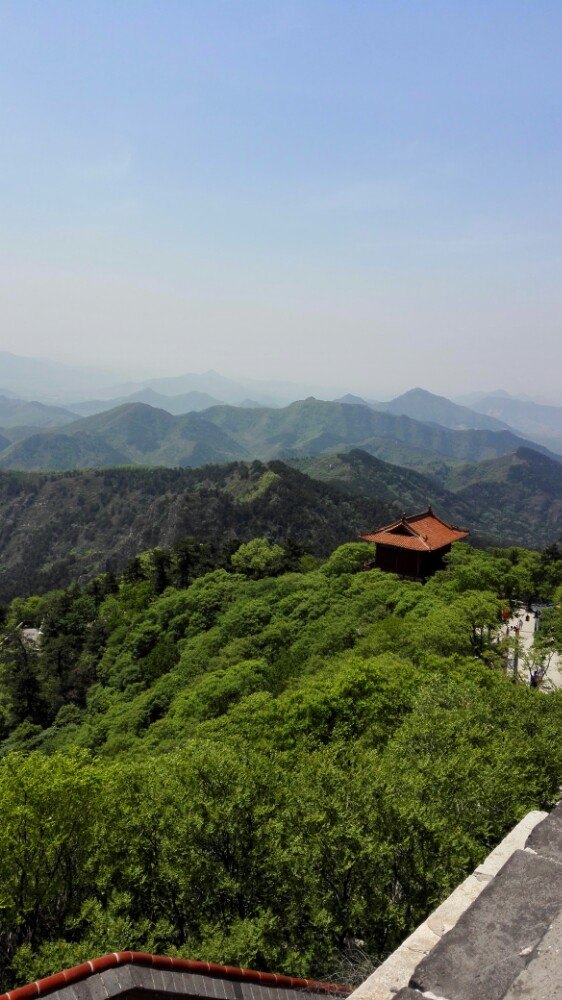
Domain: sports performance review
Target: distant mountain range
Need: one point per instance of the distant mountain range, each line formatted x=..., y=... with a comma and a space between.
x=539, y=423
x=137, y=433
x=312, y=427
x=133, y=434
x=534, y=420
x=238, y=459
x=85, y=392
x=426, y=406
x=187, y=402
x=55, y=528
x=211, y=383
x=21, y=413
x=53, y=382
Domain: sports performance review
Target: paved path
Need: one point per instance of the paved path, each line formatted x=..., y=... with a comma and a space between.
x=553, y=677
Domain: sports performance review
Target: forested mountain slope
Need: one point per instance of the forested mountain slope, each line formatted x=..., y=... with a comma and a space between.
x=131, y=434
x=515, y=499
x=260, y=767
x=357, y=472
x=57, y=451
x=314, y=427
x=19, y=412
x=54, y=528
x=506, y=495
x=141, y=434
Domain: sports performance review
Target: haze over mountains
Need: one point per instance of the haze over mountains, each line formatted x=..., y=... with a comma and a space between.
x=185, y=402
x=422, y=405
x=53, y=382
x=535, y=420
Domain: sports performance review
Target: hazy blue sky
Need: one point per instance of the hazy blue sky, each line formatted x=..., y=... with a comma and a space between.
x=362, y=193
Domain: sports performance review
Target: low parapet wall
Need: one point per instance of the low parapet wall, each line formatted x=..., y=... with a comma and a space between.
x=497, y=937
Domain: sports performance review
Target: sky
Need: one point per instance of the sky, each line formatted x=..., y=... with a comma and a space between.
x=356, y=192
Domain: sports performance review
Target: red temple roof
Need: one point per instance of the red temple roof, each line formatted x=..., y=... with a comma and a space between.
x=421, y=532
x=191, y=979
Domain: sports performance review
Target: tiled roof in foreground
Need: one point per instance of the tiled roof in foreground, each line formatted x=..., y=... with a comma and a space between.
x=141, y=975
x=423, y=532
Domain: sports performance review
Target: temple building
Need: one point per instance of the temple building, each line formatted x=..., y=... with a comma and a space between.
x=414, y=546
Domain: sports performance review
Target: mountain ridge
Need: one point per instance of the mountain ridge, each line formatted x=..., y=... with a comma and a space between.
x=515, y=499
x=146, y=435
x=55, y=527
x=430, y=408
x=176, y=405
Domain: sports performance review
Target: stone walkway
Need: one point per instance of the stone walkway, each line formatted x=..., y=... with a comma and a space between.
x=553, y=678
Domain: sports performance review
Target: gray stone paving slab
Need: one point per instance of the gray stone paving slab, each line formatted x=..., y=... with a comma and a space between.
x=408, y=994
x=546, y=838
x=396, y=971
x=490, y=945
x=542, y=977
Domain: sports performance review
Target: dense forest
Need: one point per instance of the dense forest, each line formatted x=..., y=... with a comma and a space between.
x=247, y=755
x=62, y=527
x=59, y=528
